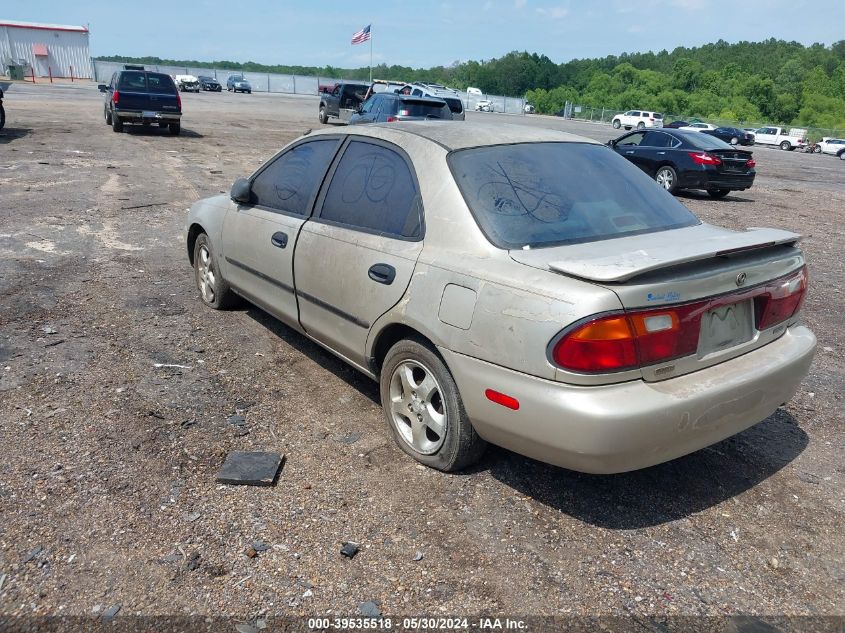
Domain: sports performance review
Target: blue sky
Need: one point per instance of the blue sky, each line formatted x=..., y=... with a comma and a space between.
x=426, y=33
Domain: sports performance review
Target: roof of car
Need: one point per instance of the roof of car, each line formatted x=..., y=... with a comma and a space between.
x=453, y=135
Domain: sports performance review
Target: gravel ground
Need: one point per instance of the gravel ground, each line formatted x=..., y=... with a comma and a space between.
x=107, y=489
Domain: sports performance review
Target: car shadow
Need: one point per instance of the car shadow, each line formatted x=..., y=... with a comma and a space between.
x=301, y=343
x=155, y=130
x=643, y=498
x=663, y=493
x=9, y=134
x=701, y=195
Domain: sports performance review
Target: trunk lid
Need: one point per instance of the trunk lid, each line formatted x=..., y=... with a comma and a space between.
x=734, y=161
x=725, y=269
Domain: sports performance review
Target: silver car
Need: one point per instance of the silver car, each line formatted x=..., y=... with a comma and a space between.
x=513, y=285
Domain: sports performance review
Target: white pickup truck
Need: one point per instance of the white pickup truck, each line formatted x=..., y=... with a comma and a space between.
x=784, y=138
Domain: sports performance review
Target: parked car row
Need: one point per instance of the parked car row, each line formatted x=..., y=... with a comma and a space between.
x=356, y=102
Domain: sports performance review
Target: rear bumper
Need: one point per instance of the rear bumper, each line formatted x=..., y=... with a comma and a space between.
x=717, y=180
x=128, y=116
x=632, y=425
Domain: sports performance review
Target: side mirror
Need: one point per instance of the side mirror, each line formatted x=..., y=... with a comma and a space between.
x=611, y=143
x=102, y=87
x=241, y=191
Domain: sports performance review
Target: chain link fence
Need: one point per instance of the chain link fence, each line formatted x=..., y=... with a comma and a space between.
x=295, y=84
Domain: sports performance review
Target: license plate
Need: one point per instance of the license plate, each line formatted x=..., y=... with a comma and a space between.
x=725, y=327
x=146, y=114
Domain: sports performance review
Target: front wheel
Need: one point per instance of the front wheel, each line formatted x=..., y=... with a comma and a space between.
x=214, y=291
x=785, y=145
x=324, y=116
x=718, y=193
x=617, y=124
x=841, y=155
x=817, y=149
x=424, y=410
x=107, y=115
x=667, y=178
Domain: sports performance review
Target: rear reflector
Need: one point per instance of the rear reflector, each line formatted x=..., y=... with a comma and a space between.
x=703, y=158
x=392, y=119
x=502, y=399
x=617, y=342
x=751, y=163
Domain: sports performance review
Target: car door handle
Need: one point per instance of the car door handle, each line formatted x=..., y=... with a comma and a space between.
x=661, y=152
x=279, y=239
x=382, y=273
x=631, y=152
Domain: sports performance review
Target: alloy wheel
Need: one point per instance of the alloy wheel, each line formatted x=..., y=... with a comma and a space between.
x=665, y=179
x=417, y=407
x=206, y=278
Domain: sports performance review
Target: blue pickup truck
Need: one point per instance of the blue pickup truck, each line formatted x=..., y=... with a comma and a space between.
x=139, y=96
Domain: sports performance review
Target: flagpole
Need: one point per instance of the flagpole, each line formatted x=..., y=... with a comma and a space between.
x=371, y=54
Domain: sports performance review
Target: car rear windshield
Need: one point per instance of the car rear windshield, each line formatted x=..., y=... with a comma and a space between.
x=547, y=194
x=160, y=84
x=705, y=141
x=657, y=115
x=409, y=107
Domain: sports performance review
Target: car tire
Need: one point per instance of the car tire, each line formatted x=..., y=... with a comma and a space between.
x=734, y=140
x=640, y=125
x=175, y=128
x=841, y=155
x=667, y=177
x=785, y=145
x=450, y=443
x=617, y=124
x=324, y=116
x=116, y=123
x=163, y=123
x=249, y=92
x=718, y=193
x=817, y=150
x=107, y=115
x=213, y=289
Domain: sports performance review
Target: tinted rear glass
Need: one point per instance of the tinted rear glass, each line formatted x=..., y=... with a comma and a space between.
x=160, y=84
x=545, y=194
x=455, y=105
x=705, y=141
x=409, y=107
x=657, y=115
x=133, y=81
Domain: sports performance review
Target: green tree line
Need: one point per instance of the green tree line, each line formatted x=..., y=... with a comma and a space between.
x=771, y=81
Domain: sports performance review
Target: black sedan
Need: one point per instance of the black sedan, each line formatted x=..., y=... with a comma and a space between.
x=678, y=159
x=209, y=83
x=731, y=135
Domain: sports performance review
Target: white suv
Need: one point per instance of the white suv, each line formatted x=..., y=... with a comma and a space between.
x=637, y=119
x=835, y=146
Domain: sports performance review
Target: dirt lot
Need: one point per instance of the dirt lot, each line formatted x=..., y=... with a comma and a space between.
x=107, y=491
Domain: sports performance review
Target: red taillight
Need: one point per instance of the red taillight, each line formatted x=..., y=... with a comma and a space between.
x=392, y=119
x=178, y=100
x=751, y=163
x=115, y=97
x=626, y=341
x=704, y=158
x=780, y=300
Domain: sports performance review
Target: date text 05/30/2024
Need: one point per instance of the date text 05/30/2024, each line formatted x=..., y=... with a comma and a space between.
x=416, y=624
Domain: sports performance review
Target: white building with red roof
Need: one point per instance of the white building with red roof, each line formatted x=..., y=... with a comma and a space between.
x=46, y=49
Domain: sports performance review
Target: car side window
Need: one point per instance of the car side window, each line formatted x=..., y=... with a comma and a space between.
x=368, y=105
x=417, y=92
x=635, y=113
x=632, y=139
x=289, y=182
x=373, y=189
x=657, y=139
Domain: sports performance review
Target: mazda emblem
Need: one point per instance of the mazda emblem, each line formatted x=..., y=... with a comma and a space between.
x=740, y=279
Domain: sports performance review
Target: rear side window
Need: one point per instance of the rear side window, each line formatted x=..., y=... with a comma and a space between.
x=658, y=139
x=160, y=84
x=132, y=81
x=657, y=115
x=455, y=105
x=545, y=194
x=289, y=182
x=373, y=189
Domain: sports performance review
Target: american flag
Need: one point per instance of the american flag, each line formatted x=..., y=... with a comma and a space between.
x=361, y=36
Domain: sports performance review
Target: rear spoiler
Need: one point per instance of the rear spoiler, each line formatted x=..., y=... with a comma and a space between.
x=624, y=258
